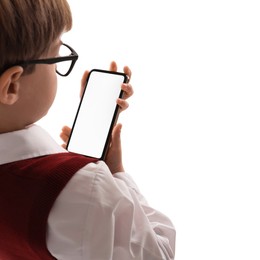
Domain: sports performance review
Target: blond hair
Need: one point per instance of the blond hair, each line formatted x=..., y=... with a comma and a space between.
x=28, y=27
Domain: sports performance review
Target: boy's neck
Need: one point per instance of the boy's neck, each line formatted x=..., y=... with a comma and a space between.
x=7, y=126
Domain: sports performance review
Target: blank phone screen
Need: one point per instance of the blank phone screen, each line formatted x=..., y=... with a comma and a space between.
x=96, y=113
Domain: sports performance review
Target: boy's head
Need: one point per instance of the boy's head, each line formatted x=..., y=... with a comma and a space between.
x=28, y=27
x=29, y=30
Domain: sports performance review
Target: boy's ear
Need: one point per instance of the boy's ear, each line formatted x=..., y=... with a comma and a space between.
x=9, y=85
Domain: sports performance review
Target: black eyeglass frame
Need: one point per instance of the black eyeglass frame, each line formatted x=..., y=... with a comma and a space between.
x=72, y=57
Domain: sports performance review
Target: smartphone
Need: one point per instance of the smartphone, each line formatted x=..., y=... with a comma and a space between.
x=97, y=114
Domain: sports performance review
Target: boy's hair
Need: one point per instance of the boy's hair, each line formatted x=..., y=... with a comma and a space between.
x=28, y=27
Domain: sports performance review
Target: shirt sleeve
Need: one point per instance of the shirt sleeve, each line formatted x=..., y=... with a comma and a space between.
x=101, y=216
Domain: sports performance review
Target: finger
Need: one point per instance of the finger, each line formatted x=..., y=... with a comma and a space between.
x=128, y=90
x=66, y=130
x=116, y=139
x=123, y=105
x=113, y=66
x=83, y=82
x=64, y=138
x=128, y=72
x=64, y=135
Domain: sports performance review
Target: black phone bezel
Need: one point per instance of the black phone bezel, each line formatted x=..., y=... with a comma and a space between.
x=113, y=120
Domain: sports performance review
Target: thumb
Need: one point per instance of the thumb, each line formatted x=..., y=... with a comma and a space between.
x=116, y=134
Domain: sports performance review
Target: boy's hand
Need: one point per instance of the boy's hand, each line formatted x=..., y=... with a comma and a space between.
x=114, y=155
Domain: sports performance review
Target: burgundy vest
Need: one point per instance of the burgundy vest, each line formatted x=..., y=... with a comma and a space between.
x=28, y=190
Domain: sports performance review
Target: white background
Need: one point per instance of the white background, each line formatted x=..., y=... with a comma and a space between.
x=191, y=134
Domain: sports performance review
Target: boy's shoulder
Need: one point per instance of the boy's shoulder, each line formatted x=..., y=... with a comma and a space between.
x=38, y=167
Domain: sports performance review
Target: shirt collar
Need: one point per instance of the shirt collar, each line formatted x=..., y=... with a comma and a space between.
x=27, y=143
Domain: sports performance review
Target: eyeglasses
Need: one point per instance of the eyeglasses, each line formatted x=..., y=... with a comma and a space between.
x=65, y=62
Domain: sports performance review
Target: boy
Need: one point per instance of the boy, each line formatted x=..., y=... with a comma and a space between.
x=54, y=204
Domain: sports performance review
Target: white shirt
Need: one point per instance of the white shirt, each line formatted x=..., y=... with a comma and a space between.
x=97, y=215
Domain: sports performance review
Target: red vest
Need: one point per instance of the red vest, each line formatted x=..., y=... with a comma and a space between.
x=28, y=190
